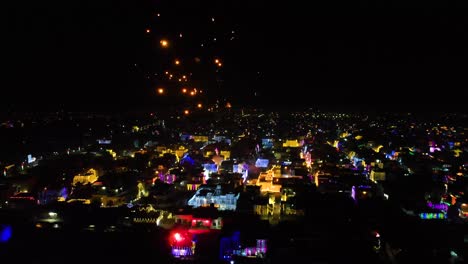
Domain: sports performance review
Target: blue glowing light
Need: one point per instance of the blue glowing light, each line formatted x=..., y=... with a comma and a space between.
x=5, y=233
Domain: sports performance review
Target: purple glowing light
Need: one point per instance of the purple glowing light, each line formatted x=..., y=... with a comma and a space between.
x=438, y=206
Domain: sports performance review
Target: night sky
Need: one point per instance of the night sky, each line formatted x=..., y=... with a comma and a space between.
x=368, y=54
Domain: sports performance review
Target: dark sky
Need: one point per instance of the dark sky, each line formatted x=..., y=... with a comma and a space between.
x=80, y=54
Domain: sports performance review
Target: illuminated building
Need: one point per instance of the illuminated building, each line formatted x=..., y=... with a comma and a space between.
x=464, y=209
x=180, y=152
x=430, y=216
x=48, y=219
x=22, y=200
x=48, y=195
x=109, y=200
x=232, y=247
x=292, y=143
x=166, y=178
x=267, y=143
x=377, y=175
x=262, y=163
x=438, y=206
x=200, y=138
x=182, y=243
x=207, y=196
x=194, y=183
x=199, y=221
x=89, y=177
x=226, y=154
x=362, y=192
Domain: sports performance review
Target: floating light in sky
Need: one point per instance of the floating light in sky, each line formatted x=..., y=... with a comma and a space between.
x=158, y=14
x=164, y=43
x=180, y=35
x=148, y=30
x=212, y=19
x=160, y=91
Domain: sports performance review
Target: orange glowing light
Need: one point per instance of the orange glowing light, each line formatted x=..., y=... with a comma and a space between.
x=148, y=30
x=160, y=90
x=228, y=105
x=220, y=64
x=177, y=62
x=192, y=93
x=164, y=43
x=216, y=61
x=184, y=90
x=186, y=112
x=199, y=105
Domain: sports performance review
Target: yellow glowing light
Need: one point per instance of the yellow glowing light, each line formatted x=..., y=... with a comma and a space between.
x=199, y=105
x=160, y=90
x=177, y=62
x=164, y=43
x=186, y=112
